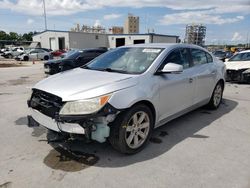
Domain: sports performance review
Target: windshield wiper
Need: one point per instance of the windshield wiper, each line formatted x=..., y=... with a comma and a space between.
x=114, y=70
x=105, y=69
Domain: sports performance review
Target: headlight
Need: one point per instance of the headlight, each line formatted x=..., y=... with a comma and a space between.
x=84, y=106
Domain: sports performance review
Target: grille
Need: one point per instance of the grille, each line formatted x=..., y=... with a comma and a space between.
x=46, y=103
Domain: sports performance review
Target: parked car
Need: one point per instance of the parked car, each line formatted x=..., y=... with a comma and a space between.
x=15, y=51
x=238, y=67
x=3, y=50
x=34, y=54
x=125, y=93
x=72, y=60
x=221, y=55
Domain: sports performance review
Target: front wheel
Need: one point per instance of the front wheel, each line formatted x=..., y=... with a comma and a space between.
x=131, y=130
x=216, y=98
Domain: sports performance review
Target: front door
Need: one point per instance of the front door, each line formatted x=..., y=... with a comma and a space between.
x=176, y=90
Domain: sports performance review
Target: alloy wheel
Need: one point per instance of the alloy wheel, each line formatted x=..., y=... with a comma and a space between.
x=137, y=129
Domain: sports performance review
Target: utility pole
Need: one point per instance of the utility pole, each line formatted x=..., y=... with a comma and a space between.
x=44, y=13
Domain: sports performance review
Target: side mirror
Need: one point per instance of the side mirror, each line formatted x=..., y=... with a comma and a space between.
x=171, y=68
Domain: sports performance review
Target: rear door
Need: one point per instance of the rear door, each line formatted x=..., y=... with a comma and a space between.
x=176, y=90
x=204, y=70
x=33, y=54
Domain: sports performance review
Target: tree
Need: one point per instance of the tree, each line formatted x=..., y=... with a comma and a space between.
x=13, y=36
x=28, y=36
x=3, y=35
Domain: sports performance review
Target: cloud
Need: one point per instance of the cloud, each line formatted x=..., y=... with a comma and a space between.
x=236, y=37
x=111, y=16
x=204, y=17
x=30, y=21
x=66, y=7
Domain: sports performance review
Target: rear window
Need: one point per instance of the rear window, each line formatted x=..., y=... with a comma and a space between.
x=209, y=58
x=199, y=57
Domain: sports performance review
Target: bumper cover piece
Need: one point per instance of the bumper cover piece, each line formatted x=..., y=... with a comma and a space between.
x=51, y=124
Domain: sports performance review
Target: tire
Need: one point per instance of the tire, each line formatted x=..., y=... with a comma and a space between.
x=128, y=133
x=46, y=58
x=216, y=97
x=26, y=58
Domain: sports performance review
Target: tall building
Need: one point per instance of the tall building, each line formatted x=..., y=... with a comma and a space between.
x=195, y=34
x=131, y=25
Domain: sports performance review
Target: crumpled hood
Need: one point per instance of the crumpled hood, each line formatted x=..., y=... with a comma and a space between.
x=81, y=83
x=237, y=65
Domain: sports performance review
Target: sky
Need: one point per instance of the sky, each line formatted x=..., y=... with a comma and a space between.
x=227, y=21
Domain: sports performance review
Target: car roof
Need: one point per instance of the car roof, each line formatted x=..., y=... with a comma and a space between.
x=164, y=45
x=92, y=49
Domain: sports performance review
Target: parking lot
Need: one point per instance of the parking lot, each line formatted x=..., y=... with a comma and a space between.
x=201, y=149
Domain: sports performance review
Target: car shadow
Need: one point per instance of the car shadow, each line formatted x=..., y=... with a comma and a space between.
x=83, y=155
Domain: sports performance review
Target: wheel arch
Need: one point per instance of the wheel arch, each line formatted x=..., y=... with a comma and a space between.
x=222, y=82
x=148, y=104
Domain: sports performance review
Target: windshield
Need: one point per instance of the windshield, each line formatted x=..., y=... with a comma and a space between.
x=219, y=53
x=125, y=60
x=72, y=55
x=241, y=57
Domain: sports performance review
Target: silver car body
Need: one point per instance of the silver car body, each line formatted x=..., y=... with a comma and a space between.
x=34, y=54
x=170, y=95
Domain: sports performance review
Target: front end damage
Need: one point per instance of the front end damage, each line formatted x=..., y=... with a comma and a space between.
x=241, y=75
x=45, y=108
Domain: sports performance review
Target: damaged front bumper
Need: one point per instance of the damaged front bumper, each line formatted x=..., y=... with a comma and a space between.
x=54, y=125
x=241, y=75
x=45, y=107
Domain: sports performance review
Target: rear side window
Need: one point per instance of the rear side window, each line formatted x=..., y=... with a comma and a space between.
x=209, y=58
x=199, y=57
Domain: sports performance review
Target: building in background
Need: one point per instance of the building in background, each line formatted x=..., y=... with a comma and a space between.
x=116, y=30
x=131, y=25
x=128, y=39
x=54, y=40
x=195, y=34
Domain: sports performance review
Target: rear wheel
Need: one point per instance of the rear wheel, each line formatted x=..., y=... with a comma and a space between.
x=216, y=98
x=131, y=130
x=46, y=57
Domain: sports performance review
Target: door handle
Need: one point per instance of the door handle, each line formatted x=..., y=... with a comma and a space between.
x=190, y=80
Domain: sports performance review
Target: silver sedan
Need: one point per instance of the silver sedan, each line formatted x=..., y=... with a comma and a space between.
x=127, y=92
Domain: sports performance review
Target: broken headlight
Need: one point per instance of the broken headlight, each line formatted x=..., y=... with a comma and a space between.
x=87, y=106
